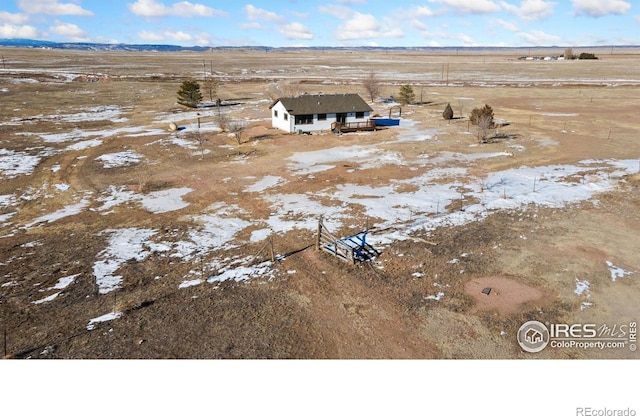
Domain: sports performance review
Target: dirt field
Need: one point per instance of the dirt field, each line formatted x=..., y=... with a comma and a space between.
x=122, y=239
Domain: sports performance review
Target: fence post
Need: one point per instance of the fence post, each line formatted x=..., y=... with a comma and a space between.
x=273, y=256
x=319, y=233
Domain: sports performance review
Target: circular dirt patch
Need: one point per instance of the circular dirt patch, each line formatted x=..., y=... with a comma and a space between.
x=505, y=295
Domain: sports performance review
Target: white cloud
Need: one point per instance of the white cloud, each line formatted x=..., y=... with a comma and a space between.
x=418, y=25
x=599, y=8
x=422, y=11
x=510, y=26
x=531, y=9
x=470, y=6
x=251, y=25
x=150, y=36
x=69, y=30
x=16, y=19
x=366, y=26
x=52, y=7
x=466, y=39
x=12, y=31
x=186, y=9
x=179, y=36
x=255, y=13
x=148, y=8
x=339, y=12
x=202, y=39
x=296, y=31
x=413, y=15
x=539, y=38
x=154, y=8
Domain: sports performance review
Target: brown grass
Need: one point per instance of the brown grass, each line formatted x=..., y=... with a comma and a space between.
x=558, y=112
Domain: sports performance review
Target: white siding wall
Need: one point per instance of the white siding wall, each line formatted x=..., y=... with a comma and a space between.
x=318, y=125
x=279, y=121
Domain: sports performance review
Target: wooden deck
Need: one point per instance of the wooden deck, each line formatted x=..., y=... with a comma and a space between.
x=368, y=125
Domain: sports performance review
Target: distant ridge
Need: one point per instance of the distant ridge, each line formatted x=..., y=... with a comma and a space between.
x=31, y=43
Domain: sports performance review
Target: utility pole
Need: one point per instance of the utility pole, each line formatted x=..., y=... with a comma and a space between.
x=447, y=83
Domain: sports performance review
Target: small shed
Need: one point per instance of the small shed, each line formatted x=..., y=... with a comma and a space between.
x=309, y=113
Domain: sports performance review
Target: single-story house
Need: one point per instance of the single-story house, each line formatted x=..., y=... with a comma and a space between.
x=308, y=113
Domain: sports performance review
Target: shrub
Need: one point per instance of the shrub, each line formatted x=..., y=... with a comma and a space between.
x=448, y=112
x=477, y=114
x=586, y=55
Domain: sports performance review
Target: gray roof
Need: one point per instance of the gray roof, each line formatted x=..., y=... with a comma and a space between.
x=324, y=104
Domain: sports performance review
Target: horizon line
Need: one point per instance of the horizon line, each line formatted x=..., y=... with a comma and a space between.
x=27, y=40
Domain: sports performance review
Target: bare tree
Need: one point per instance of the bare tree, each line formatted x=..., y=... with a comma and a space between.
x=483, y=127
x=222, y=119
x=461, y=107
x=201, y=139
x=143, y=178
x=283, y=89
x=210, y=86
x=479, y=170
x=372, y=84
x=237, y=127
x=568, y=54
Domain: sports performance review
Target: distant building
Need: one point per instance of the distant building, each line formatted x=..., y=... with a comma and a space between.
x=309, y=113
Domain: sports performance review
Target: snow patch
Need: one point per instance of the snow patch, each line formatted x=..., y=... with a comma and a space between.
x=616, y=272
x=243, y=273
x=582, y=287
x=265, y=183
x=104, y=318
x=165, y=200
x=189, y=283
x=61, y=213
x=439, y=296
x=14, y=163
x=124, y=245
x=126, y=158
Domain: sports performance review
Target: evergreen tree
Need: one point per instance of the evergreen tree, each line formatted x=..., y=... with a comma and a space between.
x=406, y=95
x=448, y=112
x=189, y=94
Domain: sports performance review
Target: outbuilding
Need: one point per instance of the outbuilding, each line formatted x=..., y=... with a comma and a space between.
x=309, y=113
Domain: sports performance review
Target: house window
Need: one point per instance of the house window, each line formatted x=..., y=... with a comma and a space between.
x=322, y=117
x=286, y=116
x=304, y=119
x=275, y=113
x=360, y=114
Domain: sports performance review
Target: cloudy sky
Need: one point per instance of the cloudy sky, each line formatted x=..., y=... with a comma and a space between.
x=332, y=23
